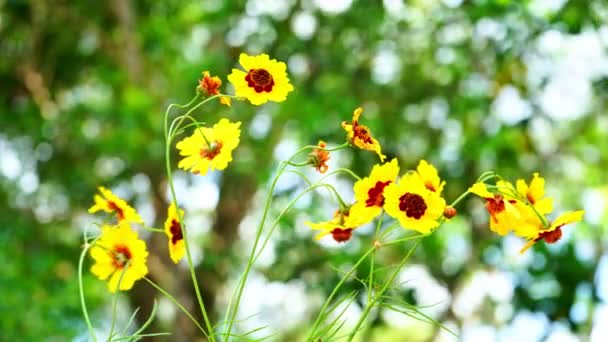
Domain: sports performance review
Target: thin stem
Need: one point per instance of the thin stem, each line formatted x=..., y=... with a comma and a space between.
x=174, y=301
x=83, y=304
x=153, y=230
x=369, y=305
x=115, y=299
x=197, y=291
x=460, y=198
x=335, y=291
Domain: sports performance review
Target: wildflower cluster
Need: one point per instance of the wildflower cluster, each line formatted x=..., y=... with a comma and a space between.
x=412, y=198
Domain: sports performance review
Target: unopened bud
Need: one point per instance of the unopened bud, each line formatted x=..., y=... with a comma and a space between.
x=449, y=212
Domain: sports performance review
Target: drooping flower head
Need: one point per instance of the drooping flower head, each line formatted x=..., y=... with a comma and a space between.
x=504, y=215
x=209, y=148
x=415, y=206
x=319, y=156
x=211, y=85
x=537, y=232
x=360, y=135
x=111, y=203
x=430, y=177
x=173, y=229
x=340, y=227
x=534, y=194
x=119, y=253
x=263, y=80
x=369, y=191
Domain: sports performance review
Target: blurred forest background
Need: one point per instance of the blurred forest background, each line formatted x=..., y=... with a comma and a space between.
x=470, y=85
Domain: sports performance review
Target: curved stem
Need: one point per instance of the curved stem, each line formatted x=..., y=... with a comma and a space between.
x=233, y=308
x=174, y=301
x=115, y=300
x=81, y=289
x=311, y=336
x=185, y=237
x=369, y=305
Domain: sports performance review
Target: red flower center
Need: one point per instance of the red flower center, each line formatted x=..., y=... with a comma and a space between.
x=552, y=236
x=342, y=235
x=260, y=80
x=121, y=255
x=212, y=150
x=176, y=232
x=114, y=207
x=413, y=205
x=362, y=133
x=375, y=196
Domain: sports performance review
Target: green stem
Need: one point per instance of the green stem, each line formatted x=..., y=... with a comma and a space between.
x=460, y=198
x=81, y=289
x=115, y=299
x=168, y=141
x=369, y=305
x=174, y=301
x=232, y=309
x=311, y=336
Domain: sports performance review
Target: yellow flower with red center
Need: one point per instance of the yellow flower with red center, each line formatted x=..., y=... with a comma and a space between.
x=263, y=80
x=319, y=156
x=111, y=203
x=120, y=257
x=173, y=229
x=537, y=232
x=210, y=85
x=369, y=191
x=504, y=215
x=209, y=148
x=535, y=193
x=360, y=135
x=415, y=206
x=430, y=177
x=340, y=227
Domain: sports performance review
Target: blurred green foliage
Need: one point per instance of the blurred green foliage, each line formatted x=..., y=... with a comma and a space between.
x=83, y=86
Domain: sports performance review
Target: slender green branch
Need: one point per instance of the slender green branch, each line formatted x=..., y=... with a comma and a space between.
x=315, y=325
x=83, y=304
x=115, y=299
x=369, y=305
x=174, y=301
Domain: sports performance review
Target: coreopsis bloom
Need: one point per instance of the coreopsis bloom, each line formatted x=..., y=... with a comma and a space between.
x=340, y=227
x=360, y=135
x=369, y=191
x=430, y=177
x=211, y=85
x=535, y=193
x=537, y=232
x=319, y=156
x=209, y=148
x=173, y=229
x=503, y=212
x=415, y=206
x=119, y=253
x=263, y=80
x=111, y=203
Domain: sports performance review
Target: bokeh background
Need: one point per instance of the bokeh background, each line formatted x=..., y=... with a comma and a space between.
x=470, y=85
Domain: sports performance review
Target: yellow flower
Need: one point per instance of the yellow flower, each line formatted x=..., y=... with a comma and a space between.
x=119, y=253
x=535, y=233
x=415, y=206
x=210, y=85
x=430, y=177
x=111, y=203
x=369, y=191
x=534, y=193
x=173, y=229
x=503, y=213
x=264, y=80
x=340, y=227
x=209, y=148
x=360, y=135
